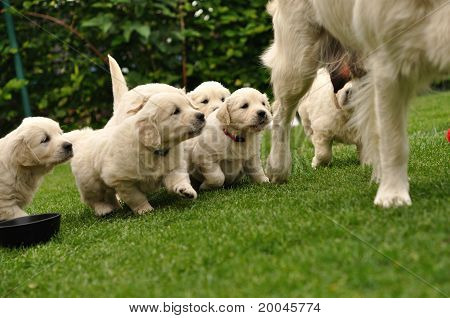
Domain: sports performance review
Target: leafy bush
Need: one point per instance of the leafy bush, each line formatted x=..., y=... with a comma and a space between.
x=63, y=45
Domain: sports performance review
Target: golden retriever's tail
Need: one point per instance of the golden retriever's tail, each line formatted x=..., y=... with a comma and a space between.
x=119, y=85
x=76, y=135
x=363, y=120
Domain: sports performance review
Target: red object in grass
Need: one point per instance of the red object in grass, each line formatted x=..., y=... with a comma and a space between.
x=448, y=135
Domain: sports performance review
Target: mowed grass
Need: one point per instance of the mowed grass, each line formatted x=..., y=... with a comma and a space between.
x=319, y=235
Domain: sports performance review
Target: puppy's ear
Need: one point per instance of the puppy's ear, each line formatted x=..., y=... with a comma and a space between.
x=140, y=104
x=148, y=133
x=223, y=114
x=344, y=95
x=191, y=97
x=23, y=154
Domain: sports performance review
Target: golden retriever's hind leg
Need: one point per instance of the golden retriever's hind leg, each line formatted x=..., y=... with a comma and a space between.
x=288, y=91
x=134, y=198
x=213, y=177
x=294, y=65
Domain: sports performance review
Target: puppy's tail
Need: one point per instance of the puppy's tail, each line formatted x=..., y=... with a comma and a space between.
x=363, y=120
x=77, y=135
x=119, y=85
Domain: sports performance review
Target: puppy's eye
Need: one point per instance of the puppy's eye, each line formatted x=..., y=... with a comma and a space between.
x=222, y=99
x=177, y=111
x=245, y=106
x=264, y=103
x=205, y=101
x=45, y=139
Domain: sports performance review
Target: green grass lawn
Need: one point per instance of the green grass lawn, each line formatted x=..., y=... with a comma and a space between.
x=316, y=236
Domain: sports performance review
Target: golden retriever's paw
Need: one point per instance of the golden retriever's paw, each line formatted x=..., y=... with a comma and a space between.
x=278, y=173
x=390, y=199
x=143, y=209
x=278, y=167
x=186, y=191
x=102, y=209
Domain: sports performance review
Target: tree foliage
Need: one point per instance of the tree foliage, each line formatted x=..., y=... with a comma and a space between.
x=63, y=45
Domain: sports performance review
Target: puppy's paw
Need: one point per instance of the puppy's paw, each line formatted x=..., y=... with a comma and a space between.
x=208, y=186
x=390, y=199
x=315, y=163
x=143, y=209
x=263, y=179
x=186, y=191
x=102, y=209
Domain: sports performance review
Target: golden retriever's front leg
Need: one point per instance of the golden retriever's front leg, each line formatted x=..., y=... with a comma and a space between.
x=178, y=182
x=254, y=170
x=391, y=98
x=213, y=175
x=133, y=197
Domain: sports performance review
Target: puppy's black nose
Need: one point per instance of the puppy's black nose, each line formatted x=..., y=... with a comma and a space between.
x=67, y=146
x=200, y=117
x=261, y=114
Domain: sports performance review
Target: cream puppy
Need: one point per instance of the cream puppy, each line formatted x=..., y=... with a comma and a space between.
x=136, y=156
x=325, y=117
x=128, y=102
x=27, y=154
x=230, y=143
x=209, y=96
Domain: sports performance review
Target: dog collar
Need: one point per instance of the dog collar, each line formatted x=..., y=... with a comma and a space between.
x=161, y=152
x=235, y=138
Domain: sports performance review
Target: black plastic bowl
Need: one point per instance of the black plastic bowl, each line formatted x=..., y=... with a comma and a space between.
x=29, y=230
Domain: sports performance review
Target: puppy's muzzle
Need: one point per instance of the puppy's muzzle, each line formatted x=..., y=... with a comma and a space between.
x=200, y=117
x=262, y=116
x=67, y=147
x=199, y=123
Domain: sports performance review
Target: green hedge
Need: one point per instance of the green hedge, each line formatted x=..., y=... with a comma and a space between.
x=69, y=81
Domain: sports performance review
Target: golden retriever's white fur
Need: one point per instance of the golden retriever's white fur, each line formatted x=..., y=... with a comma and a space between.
x=27, y=154
x=229, y=146
x=325, y=117
x=136, y=156
x=209, y=96
x=404, y=45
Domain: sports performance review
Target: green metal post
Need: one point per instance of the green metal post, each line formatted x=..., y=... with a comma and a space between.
x=17, y=61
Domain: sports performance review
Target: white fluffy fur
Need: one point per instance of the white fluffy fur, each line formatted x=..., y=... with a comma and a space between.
x=206, y=97
x=209, y=96
x=325, y=117
x=129, y=102
x=405, y=44
x=27, y=154
x=126, y=159
x=215, y=159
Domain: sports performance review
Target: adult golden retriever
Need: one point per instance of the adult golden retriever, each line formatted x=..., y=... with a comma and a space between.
x=403, y=45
